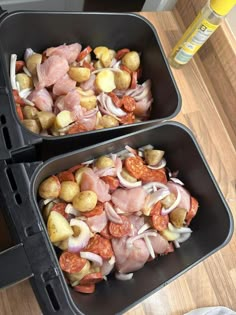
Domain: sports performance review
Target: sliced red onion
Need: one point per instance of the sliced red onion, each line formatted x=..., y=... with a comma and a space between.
x=176, y=243
x=174, y=205
x=13, y=71
x=143, y=228
x=131, y=150
x=181, y=230
x=143, y=94
x=28, y=52
x=177, y=181
x=71, y=210
x=161, y=164
x=130, y=240
x=108, y=171
x=116, y=65
x=128, y=184
x=96, y=259
x=156, y=196
x=28, y=102
x=123, y=276
x=108, y=266
x=25, y=92
x=156, y=184
x=75, y=244
x=184, y=237
x=149, y=246
x=140, y=153
x=26, y=71
x=46, y=201
x=112, y=214
x=113, y=109
x=18, y=86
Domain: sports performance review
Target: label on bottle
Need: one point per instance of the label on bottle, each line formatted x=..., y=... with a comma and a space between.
x=194, y=42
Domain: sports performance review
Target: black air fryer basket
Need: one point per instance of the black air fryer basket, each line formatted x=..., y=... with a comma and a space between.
x=39, y=30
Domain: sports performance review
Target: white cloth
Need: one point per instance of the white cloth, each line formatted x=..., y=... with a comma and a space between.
x=218, y=310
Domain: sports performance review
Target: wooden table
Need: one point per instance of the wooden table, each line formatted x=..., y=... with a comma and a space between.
x=212, y=282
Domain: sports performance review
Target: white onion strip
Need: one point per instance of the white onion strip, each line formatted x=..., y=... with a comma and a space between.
x=143, y=228
x=111, y=213
x=174, y=205
x=149, y=246
x=123, y=276
x=25, y=92
x=26, y=71
x=96, y=259
x=176, y=243
x=179, y=230
x=160, y=165
x=75, y=244
x=71, y=210
x=126, y=183
x=13, y=71
x=152, y=184
x=184, y=237
x=130, y=241
x=177, y=181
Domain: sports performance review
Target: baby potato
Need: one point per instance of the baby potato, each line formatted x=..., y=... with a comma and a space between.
x=153, y=157
x=31, y=125
x=125, y=174
x=99, y=51
x=85, y=201
x=131, y=60
x=46, y=119
x=63, y=119
x=105, y=81
x=58, y=227
x=79, y=74
x=169, y=235
x=32, y=62
x=104, y=162
x=122, y=80
x=24, y=81
x=85, y=93
x=68, y=190
x=106, y=57
x=79, y=173
x=50, y=188
x=46, y=210
x=108, y=121
x=177, y=217
x=76, y=277
x=63, y=245
x=88, y=102
x=168, y=200
x=29, y=112
x=98, y=65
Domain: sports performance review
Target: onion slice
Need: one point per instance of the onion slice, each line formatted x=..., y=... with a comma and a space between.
x=71, y=210
x=111, y=213
x=174, y=205
x=153, y=198
x=183, y=237
x=149, y=246
x=75, y=244
x=96, y=259
x=28, y=52
x=154, y=184
x=132, y=239
x=176, y=243
x=123, y=276
x=176, y=180
x=179, y=230
x=13, y=71
x=143, y=228
x=160, y=165
x=126, y=183
x=26, y=71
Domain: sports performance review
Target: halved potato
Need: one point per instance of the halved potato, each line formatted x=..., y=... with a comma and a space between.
x=88, y=102
x=63, y=119
x=46, y=119
x=24, y=81
x=32, y=62
x=169, y=235
x=100, y=50
x=106, y=57
x=105, y=81
x=79, y=74
x=58, y=227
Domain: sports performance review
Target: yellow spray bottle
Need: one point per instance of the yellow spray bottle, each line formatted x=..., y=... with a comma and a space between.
x=204, y=25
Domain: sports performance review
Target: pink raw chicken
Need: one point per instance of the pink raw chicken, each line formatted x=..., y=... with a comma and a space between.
x=129, y=200
x=159, y=244
x=90, y=181
x=42, y=100
x=129, y=259
x=136, y=223
x=69, y=52
x=97, y=222
x=185, y=196
x=50, y=71
x=64, y=85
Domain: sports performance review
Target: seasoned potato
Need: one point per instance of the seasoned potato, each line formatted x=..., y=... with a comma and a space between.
x=131, y=60
x=88, y=102
x=68, y=190
x=168, y=200
x=46, y=210
x=32, y=125
x=122, y=80
x=50, y=188
x=153, y=157
x=106, y=58
x=63, y=245
x=63, y=119
x=32, y=62
x=169, y=236
x=29, y=112
x=98, y=65
x=105, y=81
x=125, y=174
x=79, y=74
x=46, y=119
x=108, y=121
x=79, y=173
x=85, y=93
x=85, y=201
x=58, y=227
x=76, y=277
x=99, y=51
x=24, y=80
x=104, y=162
x=177, y=217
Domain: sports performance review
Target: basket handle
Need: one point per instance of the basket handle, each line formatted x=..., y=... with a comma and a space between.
x=2, y=12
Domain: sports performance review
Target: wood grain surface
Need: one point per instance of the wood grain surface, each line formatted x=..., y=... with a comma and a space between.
x=212, y=282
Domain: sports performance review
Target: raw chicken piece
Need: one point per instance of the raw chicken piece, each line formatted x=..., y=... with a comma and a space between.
x=185, y=196
x=50, y=71
x=129, y=259
x=90, y=181
x=42, y=99
x=64, y=85
x=143, y=105
x=69, y=52
x=136, y=223
x=97, y=222
x=159, y=244
x=129, y=200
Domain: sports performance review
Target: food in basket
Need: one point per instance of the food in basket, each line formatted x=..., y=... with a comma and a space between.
x=67, y=90
x=118, y=212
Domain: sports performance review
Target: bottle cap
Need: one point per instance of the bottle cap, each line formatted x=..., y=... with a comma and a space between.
x=222, y=7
